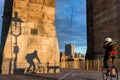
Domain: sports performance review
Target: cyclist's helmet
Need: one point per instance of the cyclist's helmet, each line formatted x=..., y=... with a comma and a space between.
x=108, y=39
x=35, y=51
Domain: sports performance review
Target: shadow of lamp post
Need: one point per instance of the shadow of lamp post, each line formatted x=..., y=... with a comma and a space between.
x=16, y=31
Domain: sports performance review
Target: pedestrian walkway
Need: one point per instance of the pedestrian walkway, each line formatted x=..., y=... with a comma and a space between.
x=81, y=75
x=65, y=74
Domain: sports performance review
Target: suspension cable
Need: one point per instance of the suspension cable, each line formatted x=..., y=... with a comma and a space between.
x=69, y=37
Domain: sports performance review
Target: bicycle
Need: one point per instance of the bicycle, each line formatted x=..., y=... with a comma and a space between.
x=38, y=69
x=107, y=74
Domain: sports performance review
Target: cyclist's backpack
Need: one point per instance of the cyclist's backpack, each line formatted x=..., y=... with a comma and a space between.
x=113, y=46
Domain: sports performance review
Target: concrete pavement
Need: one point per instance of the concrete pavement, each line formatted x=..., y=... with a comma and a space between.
x=65, y=74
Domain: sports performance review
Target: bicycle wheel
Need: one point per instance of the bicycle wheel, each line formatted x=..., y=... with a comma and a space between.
x=115, y=76
x=40, y=69
x=104, y=74
x=28, y=71
x=107, y=75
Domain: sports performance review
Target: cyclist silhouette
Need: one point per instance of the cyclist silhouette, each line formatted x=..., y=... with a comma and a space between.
x=30, y=57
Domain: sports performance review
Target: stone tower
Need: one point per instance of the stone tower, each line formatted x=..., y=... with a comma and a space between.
x=103, y=20
x=28, y=27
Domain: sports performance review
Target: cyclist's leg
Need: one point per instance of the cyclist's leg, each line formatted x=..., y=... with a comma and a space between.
x=107, y=65
x=37, y=68
x=34, y=67
x=111, y=61
x=113, y=69
x=105, y=61
x=30, y=65
x=113, y=58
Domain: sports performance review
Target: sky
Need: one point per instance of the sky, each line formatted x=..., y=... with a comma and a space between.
x=70, y=22
x=1, y=13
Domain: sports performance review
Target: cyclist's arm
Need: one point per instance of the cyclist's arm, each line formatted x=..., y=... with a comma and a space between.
x=38, y=60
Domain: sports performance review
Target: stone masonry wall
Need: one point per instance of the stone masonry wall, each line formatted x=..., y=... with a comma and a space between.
x=105, y=23
x=31, y=29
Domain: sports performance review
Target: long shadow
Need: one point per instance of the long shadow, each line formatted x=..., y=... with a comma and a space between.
x=14, y=62
x=7, y=16
x=30, y=57
x=15, y=31
x=54, y=68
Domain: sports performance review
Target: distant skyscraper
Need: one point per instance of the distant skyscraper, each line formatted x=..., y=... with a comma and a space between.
x=69, y=50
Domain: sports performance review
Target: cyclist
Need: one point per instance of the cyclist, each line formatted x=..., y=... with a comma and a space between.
x=30, y=57
x=111, y=50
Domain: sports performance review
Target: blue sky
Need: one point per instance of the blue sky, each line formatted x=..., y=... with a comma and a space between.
x=1, y=13
x=70, y=22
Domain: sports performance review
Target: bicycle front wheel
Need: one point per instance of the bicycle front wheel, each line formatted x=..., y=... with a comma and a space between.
x=115, y=76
